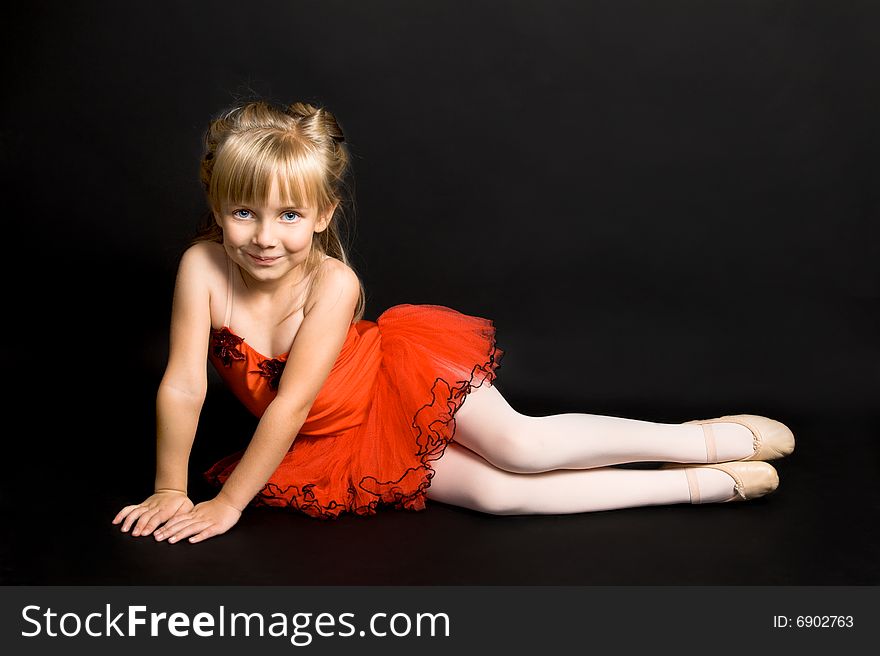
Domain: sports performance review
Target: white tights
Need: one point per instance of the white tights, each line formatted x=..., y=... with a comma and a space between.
x=504, y=462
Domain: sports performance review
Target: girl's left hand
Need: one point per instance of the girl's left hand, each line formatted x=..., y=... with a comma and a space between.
x=204, y=521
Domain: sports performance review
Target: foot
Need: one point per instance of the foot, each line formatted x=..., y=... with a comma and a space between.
x=721, y=442
x=716, y=486
x=771, y=439
x=750, y=480
x=732, y=442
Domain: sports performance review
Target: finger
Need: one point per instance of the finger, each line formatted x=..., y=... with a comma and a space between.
x=172, y=523
x=155, y=520
x=122, y=513
x=176, y=519
x=143, y=521
x=163, y=532
x=133, y=516
x=206, y=533
x=168, y=532
x=188, y=530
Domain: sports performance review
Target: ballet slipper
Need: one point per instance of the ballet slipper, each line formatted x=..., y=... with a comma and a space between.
x=753, y=479
x=771, y=439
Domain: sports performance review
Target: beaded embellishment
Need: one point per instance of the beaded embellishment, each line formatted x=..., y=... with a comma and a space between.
x=226, y=346
x=271, y=369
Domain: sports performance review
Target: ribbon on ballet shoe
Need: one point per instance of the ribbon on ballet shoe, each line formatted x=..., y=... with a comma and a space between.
x=709, y=434
x=693, y=485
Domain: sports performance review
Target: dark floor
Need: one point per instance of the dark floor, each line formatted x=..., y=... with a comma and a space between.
x=819, y=528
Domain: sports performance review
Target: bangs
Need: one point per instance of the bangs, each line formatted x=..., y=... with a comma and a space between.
x=246, y=165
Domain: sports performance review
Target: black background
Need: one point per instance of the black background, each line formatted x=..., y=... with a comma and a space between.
x=669, y=210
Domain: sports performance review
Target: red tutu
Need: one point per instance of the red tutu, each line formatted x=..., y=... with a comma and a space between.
x=386, y=411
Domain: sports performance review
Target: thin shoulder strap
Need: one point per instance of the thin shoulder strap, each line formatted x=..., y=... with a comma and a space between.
x=229, y=283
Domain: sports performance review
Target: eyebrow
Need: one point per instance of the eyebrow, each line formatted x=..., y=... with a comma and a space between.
x=280, y=209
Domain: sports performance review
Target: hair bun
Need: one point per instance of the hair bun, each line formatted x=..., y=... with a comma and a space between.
x=320, y=115
x=301, y=109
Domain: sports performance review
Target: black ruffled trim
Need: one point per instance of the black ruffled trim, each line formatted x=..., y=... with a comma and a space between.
x=445, y=400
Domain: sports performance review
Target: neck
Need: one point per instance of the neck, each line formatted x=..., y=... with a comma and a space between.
x=272, y=290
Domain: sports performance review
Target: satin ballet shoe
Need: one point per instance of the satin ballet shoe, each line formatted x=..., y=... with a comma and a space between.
x=771, y=439
x=753, y=479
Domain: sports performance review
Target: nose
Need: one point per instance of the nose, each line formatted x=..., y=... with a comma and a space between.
x=263, y=236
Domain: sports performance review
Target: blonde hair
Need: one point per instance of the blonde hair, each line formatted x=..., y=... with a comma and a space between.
x=302, y=147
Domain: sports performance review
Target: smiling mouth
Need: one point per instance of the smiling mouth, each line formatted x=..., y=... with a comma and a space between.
x=263, y=259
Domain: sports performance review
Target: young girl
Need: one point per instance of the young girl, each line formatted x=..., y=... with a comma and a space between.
x=356, y=414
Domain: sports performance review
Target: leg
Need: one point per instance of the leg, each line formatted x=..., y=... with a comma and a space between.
x=488, y=426
x=463, y=478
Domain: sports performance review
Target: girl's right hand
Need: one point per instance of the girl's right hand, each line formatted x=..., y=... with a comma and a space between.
x=155, y=510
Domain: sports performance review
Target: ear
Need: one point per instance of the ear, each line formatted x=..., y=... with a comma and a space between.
x=324, y=222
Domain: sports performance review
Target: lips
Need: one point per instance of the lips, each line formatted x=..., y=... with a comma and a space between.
x=262, y=260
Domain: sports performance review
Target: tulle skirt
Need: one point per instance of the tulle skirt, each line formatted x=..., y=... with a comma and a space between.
x=430, y=357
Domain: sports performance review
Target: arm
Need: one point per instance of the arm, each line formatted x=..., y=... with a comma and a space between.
x=315, y=349
x=275, y=433
x=180, y=396
x=177, y=418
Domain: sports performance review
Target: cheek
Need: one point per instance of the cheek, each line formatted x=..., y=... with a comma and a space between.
x=296, y=242
x=235, y=234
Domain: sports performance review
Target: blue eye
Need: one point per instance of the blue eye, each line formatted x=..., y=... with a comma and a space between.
x=236, y=214
x=290, y=215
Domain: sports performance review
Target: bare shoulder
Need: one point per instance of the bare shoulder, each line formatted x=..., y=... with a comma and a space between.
x=209, y=254
x=204, y=264
x=191, y=319
x=335, y=281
